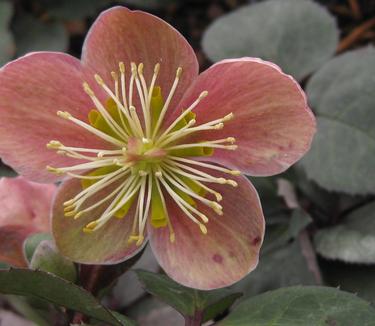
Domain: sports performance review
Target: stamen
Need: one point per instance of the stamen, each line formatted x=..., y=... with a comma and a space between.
x=206, y=165
x=189, y=109
x=186, y=207
x=152, y=85
x=103, y=111
x=166, y=104
x=183, y=187
x=123, y=84
x=170, y=227
x=102, y=135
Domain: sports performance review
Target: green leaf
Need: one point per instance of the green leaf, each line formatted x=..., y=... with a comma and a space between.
x=46, y=258
x=32, y=242
x=342, y=157
x=295, y=306
x=352, y=241
x=32, y=34
x=72, y=9
x=358, y=279
x=187, y=301
x=297, y=35
x=149, y=4
x=7, y=47
x=284, y=266
x=42, y=285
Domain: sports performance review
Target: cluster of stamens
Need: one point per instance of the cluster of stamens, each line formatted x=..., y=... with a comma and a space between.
x=145, y=160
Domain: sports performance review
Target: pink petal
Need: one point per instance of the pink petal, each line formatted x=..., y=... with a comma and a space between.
x=25, y=203
x=272, y=123
x=108, y=245
x=25, y=208
x=226, y=253
x=32, y=89
x=120, y=34
x=11, y=244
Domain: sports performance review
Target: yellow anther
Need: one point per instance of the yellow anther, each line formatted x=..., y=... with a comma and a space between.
x=157, y=68
x=232, y=183
x=228, y=117
x=140, y=240
x=218, y=126
x=222, y=181
x=231, y=147
x=203, y=217
x=70, y=214
x=114, y=75
x=203, y=95
x=142, y=173
x=146, y=141
x=69, y=202
x=54, y=170
x=61, y=153
x=69, y=208
x=100, y=154
x=217, y=208
x=86, y=230
x=203, y=228
x=140, y=69
x=99, y=79
x=122, y=67
x=64, y=114
x=117, y=162
x=92, y=225
x=178, y=72
x=53, y=144
x=234, y=172
x=218, y=196
x=133, y=68
x=133, y=238
x=192, y=122
x=158, y=174
x=78, y=215
x=231, y=140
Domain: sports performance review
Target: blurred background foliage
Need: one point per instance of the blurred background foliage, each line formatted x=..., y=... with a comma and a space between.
x=321, y=213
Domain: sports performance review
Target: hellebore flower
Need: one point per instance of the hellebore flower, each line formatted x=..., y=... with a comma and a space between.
x=152, y=150
x=25, y=209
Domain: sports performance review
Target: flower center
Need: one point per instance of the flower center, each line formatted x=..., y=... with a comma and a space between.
x=145, y=161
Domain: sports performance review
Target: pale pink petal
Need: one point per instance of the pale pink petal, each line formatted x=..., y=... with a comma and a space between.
x=272, y=123
x=226, y=253
x=120, y=34
x=25, y=203
x=25, y=209
x=11, y=244
x=32, y=89
x=108, y=245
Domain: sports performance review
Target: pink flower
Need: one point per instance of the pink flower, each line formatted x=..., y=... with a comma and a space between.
x=25, y=209
x=152, y=150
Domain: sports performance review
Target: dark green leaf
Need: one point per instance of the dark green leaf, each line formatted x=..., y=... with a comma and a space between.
x=298, y=35
x=53, y=289
x=7, y=47
x=32, y=242
x=186, y=300
x=284, y=266
x=358, y=279
x=353, y=240
x=72, y=9
x=342, y=157
x=32, y=34
x=46, y=258
x=296, y=306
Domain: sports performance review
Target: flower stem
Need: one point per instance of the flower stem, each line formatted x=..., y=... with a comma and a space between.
x=195, y=320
